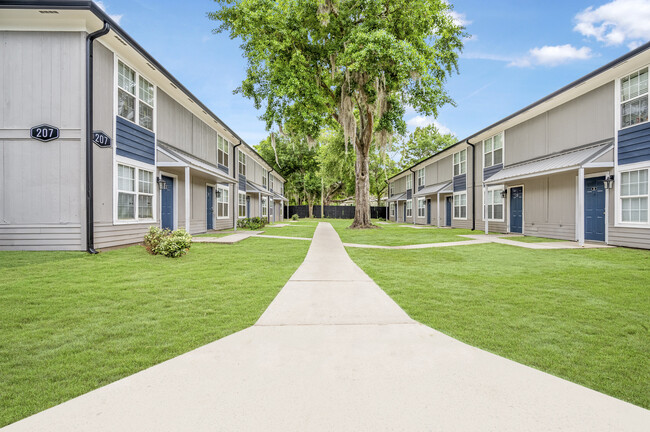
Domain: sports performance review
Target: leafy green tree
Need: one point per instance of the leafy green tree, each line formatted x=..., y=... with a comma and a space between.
x=422, y=143
x=358, y=64
x=336, y=166
x=381, y=167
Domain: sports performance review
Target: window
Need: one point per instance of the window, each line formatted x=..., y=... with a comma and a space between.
x=392, y=209
x=634, y=98
x=409, y=182
x=264, y=177
x=223, y=203
x=223, y=146
x=493, y=151
x=242, y=204
x=134, y=104
x=242, y=163
x=634, y=196
x=460, y=162
x=409, y=208
x=460, y=206
x=390, y=187
x=264, y=207
x=421, y=177
x=134, y=193
x=421, y=208
x=494, y=204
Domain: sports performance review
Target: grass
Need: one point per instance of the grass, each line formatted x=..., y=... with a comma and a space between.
x=214, y=234
x=532, y=239
x=392, y=234
x=582, y=315
x=294, y=229
x=73, y=322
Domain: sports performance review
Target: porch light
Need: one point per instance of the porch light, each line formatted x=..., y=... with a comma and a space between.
x=162, y=184
x=609, y=182
x=504, y=193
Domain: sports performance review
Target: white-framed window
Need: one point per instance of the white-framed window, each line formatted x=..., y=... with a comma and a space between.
x=460, y=162
x=264, y=206
x=271, y=183
x=391, y=189
x=135, y=191
x=634, y=196
x=460, y=205
x=409, y=182
x=392, y=209
x=409, y=208
x=242, y=163
x=223, y=202
x=264, y=177
x=421, y=177
x=634, y=98
x=135, y=97
x=421, y=208
x=493, y=150
x=242, y=204
x=494, y=207
x=223, y=149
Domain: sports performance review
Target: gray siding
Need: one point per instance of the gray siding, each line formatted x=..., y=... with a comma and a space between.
x=460, y=182
x=490, y=171
x=634, y=144
x=41, y=184
x=135, y=142
x=629, y=237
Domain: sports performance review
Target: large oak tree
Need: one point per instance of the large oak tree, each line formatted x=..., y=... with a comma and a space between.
x=358, y=63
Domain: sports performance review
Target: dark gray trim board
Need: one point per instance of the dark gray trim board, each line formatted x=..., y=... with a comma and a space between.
x=634, y=144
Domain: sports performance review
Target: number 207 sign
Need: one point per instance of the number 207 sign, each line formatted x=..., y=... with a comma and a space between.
x=44, y=132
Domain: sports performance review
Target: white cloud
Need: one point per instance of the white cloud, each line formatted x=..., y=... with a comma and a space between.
x=552, y=56
x=102, y=6
x=616, y=22
x=459, y=18
x=422, y=121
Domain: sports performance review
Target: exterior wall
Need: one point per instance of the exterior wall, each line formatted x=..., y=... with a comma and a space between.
x=42, y=192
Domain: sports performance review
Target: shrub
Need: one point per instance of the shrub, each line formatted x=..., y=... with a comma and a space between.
x=171, y=244
x=252, y=223
x=295, y=217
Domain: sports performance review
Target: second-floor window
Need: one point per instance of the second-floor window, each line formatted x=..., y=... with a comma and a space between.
x=409, y=182
x=460, y=162
x=135, y=97
x=634, y=98
x=242, y=164
x=390, y=190
x=271, y=183
x=421, y=177
x=222, y=151
x=264, y=177
x=493, y=151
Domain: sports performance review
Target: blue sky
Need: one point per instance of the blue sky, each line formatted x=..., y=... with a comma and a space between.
x=519, y=51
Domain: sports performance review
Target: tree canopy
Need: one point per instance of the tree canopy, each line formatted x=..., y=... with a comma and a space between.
x=314, y=64
x=422, y=143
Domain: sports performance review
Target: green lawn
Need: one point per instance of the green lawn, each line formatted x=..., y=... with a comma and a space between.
x=393, y=234
x=216, y=234
x=71, y=322
x=532, y=239
x=294, y=229
x=582, y=315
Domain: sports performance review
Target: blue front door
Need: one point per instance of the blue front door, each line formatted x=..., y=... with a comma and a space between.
x=210, y=206
x=248, y=206
x=428, y=212
x=595, y=209
x=516, y=209
x=404, y=220
x=448, y=211
x=167, y=204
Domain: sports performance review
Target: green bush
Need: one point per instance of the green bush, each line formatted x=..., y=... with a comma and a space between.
x=252, y=223
x=295, y=217
x=171, y=244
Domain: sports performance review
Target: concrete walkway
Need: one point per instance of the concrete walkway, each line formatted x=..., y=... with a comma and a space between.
x=334, y=353
x=229, y=239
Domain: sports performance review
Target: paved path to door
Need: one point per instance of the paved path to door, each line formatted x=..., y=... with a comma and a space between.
x=334, y=353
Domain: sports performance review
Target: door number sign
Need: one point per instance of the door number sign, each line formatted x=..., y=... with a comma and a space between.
x=44, y=133
x=101, y=139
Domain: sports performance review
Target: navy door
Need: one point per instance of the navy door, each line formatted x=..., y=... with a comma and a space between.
x=595, y=209
x=167, y=204
x=404, y=220
x=248, y=206
x=210, y=206
x=448, y=212
x=428, y=212
x=516, y=209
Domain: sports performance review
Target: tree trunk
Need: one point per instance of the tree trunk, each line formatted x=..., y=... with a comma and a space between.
x=362, y=186
x=310, y=208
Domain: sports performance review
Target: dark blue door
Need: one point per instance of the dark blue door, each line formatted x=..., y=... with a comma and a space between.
x=448, y=211
x=595, y=209
x=210, y=206
x=248, y=206
x=404, y=220
x=516, y=209
x=428, y=212
x=167, y=204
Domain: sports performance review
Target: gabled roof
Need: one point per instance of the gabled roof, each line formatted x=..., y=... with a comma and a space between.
x=400, y=197
x=436, y=188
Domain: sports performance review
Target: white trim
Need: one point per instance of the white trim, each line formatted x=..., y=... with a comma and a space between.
x=503, y=149
x=453, y=163
x=121, y=160
x=453, y=205
x=138, y=74
x=489, y=189
x=424, y=208
x=604, y=174
x=618, y=222
x=227, y=189
x=424, y=177
x=188, y=194
x=239, y=194
x=619, y=102
x=175, y=197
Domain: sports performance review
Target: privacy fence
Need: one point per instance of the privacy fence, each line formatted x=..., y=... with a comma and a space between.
x=332, y=212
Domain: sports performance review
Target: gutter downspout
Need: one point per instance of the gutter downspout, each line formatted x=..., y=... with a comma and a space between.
x=90, y=216
x=235, y=164
x=412, y=192
x=473, y=185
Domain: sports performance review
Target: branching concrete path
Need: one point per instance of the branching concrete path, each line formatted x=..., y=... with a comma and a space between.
x=334, y=353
